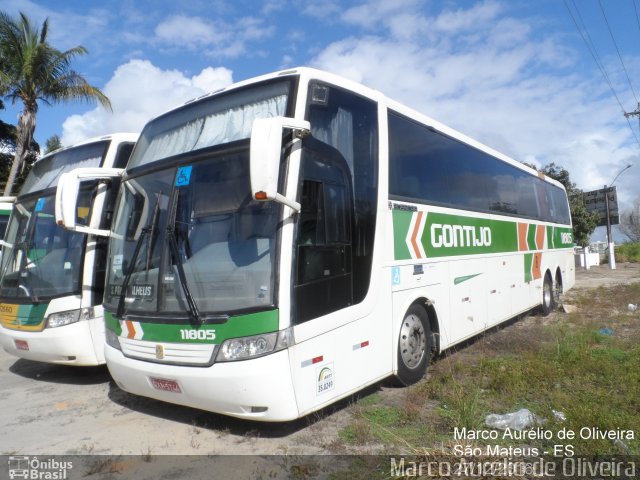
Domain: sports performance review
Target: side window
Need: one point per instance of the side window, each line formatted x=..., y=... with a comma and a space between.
x=338, y=192
x=123, y=154
x=430, y=167
x=324, y=268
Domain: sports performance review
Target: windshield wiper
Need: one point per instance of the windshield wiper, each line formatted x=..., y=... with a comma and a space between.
x=193, y=308
x=127, y=278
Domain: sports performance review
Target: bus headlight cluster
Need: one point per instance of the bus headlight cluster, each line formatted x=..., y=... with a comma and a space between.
x=61, y=319
x=244, y=348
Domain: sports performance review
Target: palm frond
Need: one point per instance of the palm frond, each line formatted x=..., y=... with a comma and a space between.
x=33, y=71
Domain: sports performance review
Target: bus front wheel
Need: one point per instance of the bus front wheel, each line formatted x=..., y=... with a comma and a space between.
x=414, y=346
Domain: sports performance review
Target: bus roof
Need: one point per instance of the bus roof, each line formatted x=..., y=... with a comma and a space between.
x=120, y=136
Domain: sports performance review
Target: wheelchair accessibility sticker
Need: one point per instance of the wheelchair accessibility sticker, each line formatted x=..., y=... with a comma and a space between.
x=183, y=177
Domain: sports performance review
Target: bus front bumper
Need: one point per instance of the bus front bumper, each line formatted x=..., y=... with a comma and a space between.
x=67, y=345
x=258, y=389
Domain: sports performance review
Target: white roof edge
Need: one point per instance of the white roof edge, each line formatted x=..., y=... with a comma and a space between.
x=121, y=136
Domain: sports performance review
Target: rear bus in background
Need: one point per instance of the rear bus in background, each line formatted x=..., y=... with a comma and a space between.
x=52, y=279
x=291, y=239
x=6, y=205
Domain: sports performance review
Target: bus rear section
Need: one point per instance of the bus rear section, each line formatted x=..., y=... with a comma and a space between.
x=52, y=279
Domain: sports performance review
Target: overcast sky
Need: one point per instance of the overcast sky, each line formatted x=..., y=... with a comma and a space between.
x=515, y=74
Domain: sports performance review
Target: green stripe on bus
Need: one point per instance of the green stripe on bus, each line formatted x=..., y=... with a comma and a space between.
x=401, y=223
x=32, y=315
x=459, y=280
x=531, y=237
x=528, y=265
x=238, y=326
x=447, y=235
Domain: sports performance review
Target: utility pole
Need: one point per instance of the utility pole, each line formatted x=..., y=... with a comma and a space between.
x=636, y=112
x=607, y=188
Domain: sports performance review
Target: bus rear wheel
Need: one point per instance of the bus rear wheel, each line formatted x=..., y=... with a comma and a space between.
x=548, y=296
x=414, y=346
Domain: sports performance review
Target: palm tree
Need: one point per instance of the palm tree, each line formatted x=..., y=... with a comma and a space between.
x=33, y=71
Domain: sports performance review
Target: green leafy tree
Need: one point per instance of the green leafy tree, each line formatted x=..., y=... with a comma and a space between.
x=33, y=71
x=53, y=143
x=584, y=222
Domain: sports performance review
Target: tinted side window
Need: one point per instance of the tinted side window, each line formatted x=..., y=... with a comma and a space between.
x=338, y=193
x=4, y=220
x=123, y=154
x=430, y=167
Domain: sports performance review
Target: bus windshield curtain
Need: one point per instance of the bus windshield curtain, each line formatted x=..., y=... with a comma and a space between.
x=335, y=129
x=213, y=129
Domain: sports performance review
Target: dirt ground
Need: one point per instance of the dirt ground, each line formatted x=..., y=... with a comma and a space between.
x=53, y=410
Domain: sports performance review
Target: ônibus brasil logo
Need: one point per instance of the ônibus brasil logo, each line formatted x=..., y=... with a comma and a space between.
x=36, y=469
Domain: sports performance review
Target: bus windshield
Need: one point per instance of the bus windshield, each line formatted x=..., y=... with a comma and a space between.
x=40, y=259
x=189, y=237
x=46, y=171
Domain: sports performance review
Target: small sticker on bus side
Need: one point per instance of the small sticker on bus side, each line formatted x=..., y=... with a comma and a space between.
x=183, y=177
x=395, y=276
x=325, y=379
x=40, y=204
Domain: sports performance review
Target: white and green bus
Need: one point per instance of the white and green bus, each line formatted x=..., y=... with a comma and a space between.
x=52, y=279
x=287, y=241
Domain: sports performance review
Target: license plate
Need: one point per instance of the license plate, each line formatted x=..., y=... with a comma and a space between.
x=21, y=345
x=165, y=385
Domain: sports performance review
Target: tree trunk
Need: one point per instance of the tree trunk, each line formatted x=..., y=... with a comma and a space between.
x=24, y=133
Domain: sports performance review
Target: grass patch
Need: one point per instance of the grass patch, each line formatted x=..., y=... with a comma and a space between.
x=627, y=252
x=586, y=365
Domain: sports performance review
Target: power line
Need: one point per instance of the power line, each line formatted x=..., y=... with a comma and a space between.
x=586, y=38
x=618, y=50
x=635, y=9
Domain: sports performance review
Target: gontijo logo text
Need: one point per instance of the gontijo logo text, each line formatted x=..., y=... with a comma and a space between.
x=459, y=236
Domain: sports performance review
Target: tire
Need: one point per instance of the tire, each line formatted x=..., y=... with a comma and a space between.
x=414, y=346
x=548, y=296
x=557, y=290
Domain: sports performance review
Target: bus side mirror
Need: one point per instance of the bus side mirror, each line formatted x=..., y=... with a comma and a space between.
x=66, y=202
x=264, y=163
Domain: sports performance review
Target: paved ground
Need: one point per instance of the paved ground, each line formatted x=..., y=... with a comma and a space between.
x=47, y=409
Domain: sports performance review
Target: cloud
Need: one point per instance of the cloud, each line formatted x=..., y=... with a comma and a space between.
x=191, y=32
x=139, y=91
x=213, y=38
x=498, y=78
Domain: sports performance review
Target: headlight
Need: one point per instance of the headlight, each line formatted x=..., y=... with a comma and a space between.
x=255, y=346
x=112, y=339
x=63, y=318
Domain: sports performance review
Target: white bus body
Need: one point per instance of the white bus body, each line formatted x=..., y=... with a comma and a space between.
x=51, y=279
x=267, y=269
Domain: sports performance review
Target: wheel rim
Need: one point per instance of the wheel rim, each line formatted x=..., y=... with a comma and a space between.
x=413, y=341
x=547, y=293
